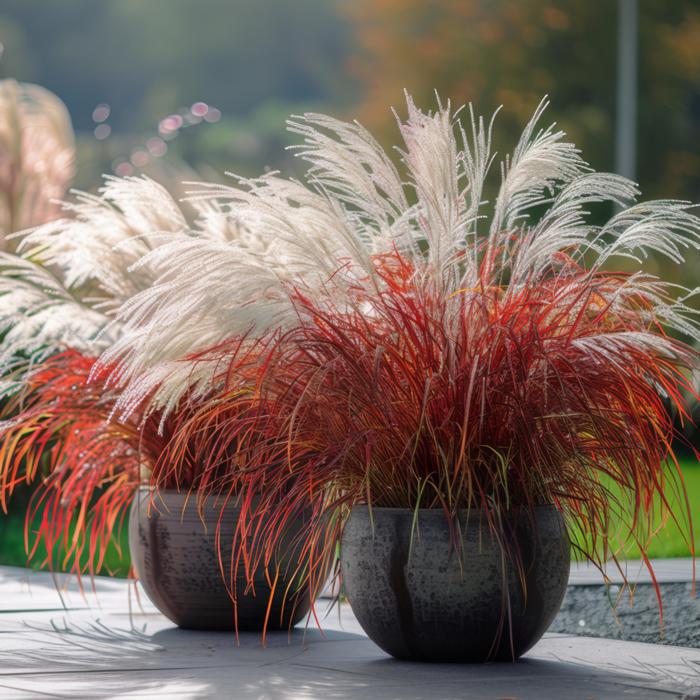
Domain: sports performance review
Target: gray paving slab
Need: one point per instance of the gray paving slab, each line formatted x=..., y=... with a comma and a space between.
x=115, y=652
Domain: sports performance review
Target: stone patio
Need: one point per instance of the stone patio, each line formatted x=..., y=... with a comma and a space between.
x=109, y=646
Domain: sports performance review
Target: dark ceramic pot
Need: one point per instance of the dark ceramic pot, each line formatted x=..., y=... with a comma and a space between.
x=417, y=599
x=176, y=558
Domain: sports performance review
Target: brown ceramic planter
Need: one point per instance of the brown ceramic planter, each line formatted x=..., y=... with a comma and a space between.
x=418, y=600
x=176, y=558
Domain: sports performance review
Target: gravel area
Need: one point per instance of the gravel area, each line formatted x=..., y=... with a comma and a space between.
x=588, y=611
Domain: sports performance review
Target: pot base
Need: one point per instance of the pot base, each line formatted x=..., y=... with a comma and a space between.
x=418, y=600
x=176, y=558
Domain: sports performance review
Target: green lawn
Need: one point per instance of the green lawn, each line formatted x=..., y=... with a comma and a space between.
x=667, y=543
x=12, y=550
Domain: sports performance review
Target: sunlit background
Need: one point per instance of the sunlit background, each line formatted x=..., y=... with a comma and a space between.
x=191, y=89
x=209, y=83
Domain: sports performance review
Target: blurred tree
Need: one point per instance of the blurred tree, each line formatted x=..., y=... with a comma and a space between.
x=512, y=53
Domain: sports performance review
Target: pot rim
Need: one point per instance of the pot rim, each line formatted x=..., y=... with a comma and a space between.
x=148, y=490
x=397, y=509
x=184, y=503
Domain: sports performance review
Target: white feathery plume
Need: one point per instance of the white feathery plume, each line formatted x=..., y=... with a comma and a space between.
x=212, y=288
x=103, y=235
x=38, y=317
x=564, y=227
x=662, y=226
x=476, y=160
x=227, y=288
x=347, y=161
x=312, y=229
x=37, y=153
x=540, y=162
x=73, y=273
x=231, y=276
x=434, y=167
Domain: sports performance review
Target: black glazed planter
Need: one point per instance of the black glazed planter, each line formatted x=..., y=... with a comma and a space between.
x=436, y=606
x=176, y=558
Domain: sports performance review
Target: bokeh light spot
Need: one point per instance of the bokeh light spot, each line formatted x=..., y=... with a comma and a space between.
x=101, y=112
x=199, y=109
x=123, y=169
x=170, y=124
x=139, y=158
x=156, y=147
x=213, y=115
x=102, y=131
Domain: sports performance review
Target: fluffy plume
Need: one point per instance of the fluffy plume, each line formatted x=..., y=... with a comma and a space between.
x=321, y=238
x=69, y=275
x=38, y=317
x=101, y=237
x=36, y=156
x=211, y=289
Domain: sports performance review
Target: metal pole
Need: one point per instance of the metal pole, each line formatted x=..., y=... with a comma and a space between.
x=626, y=126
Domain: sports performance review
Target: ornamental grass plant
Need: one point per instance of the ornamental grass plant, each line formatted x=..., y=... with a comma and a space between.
x=69, y=426
x=58, y=299
x=375, y=335
x=460, y=354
